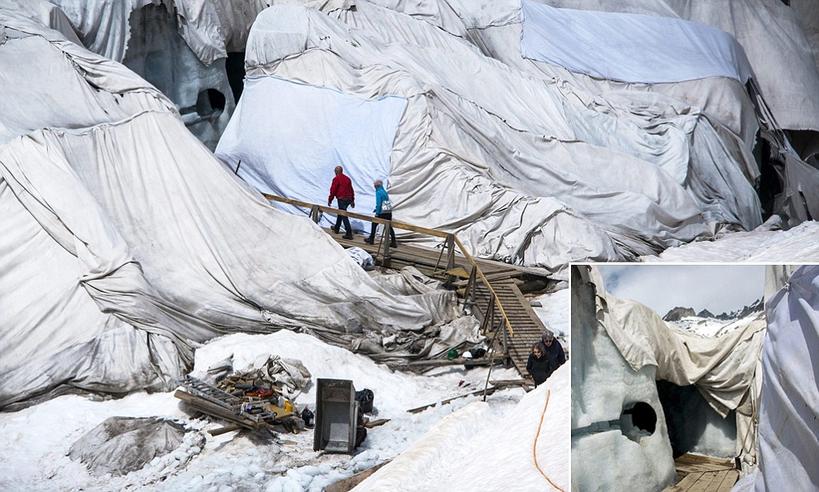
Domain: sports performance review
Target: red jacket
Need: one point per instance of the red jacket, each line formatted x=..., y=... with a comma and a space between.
x=342, y=188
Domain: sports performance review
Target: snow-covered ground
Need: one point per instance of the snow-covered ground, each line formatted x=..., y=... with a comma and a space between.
x=482, y=447
x=797, y=245
x=554, y=312
x=36, y=440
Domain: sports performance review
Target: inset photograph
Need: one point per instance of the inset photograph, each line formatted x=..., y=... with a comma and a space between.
x=695, y=377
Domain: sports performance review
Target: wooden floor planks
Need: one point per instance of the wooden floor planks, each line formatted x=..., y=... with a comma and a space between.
x=704, y=474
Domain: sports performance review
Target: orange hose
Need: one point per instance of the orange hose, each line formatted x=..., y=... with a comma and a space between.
x=534, y=443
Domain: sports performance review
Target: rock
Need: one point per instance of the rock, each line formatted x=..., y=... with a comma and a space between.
x=679, y=313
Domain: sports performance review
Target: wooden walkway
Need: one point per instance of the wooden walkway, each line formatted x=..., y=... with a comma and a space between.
x=489, y=288
x=704, y=474
x=429, y=261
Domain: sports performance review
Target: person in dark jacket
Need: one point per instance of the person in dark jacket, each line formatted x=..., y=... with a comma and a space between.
x=383, y=210
x=547, y=355
x=342, y=189
x=538, y=365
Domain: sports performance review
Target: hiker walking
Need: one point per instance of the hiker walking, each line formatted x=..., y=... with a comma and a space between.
x=342, y=189
x=383, y=210
x=547, y=355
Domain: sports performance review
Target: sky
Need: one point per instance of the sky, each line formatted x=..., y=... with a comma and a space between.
x=717, y=288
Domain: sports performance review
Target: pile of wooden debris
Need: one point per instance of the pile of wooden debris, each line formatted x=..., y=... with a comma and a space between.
x=259, y=399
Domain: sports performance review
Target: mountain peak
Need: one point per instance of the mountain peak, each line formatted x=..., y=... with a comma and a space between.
x=679, y=313
x=705, y=314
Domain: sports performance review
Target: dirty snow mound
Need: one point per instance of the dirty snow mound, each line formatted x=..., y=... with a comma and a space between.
x=120, y=445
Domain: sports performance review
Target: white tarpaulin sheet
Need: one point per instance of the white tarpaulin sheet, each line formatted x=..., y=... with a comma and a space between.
x=721, y=367
x=126, y=243
x=525, y=168
x=770, y=34
x=630, y=47
x=788, y=430
x=104, y=26
x=286, y=138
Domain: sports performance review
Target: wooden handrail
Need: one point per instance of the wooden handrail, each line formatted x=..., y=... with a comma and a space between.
x=406, y=227
x=353, y=215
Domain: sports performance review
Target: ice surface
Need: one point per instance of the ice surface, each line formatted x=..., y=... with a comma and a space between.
x=695, y=427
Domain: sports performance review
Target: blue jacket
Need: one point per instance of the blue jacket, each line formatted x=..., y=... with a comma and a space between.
x=380, y=197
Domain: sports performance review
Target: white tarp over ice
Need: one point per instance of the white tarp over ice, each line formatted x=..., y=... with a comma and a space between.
x=721, y=367
x=289, y=144
x=770, y=33
x=788, y=431
x=630, y=47
x=129, y=244
x=104, y=25
x=524, y=167
x=179, y=46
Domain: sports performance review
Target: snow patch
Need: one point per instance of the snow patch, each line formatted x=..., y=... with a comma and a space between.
x=799, y=244
x=37, y=439
x=456, y=453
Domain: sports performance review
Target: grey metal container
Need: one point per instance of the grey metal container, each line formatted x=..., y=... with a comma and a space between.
x=336, y=416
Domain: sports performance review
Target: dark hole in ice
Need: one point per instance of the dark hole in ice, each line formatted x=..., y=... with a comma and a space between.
x=210, y=103
x=638, y=420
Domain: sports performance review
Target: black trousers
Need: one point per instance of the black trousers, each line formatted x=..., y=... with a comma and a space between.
x=385, y=216
x=342, y=205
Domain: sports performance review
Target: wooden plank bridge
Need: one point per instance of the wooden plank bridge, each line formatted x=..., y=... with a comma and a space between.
x=490, y=289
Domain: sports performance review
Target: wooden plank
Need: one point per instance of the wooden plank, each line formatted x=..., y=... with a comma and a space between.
x=350, y=483
x=489, y=391
x=728, y=481
x=689, y=463
x=375, y=423
x=353, y=215
x=685, y=483
x=483, y=361
x=703, y=483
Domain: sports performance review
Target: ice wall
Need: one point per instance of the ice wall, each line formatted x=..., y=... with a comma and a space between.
x=619, y=433
x=159, y=54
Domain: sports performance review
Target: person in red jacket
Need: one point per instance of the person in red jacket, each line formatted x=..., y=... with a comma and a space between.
x=342, y=189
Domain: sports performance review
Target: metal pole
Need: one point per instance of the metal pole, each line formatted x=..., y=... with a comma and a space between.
x=489, y=373
x=450, y=241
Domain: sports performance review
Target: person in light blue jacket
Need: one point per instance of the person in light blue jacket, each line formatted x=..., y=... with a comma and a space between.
x=383, y=210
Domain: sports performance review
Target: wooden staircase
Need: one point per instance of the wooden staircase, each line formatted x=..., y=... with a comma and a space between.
x=489, y=288
x=527, y=327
